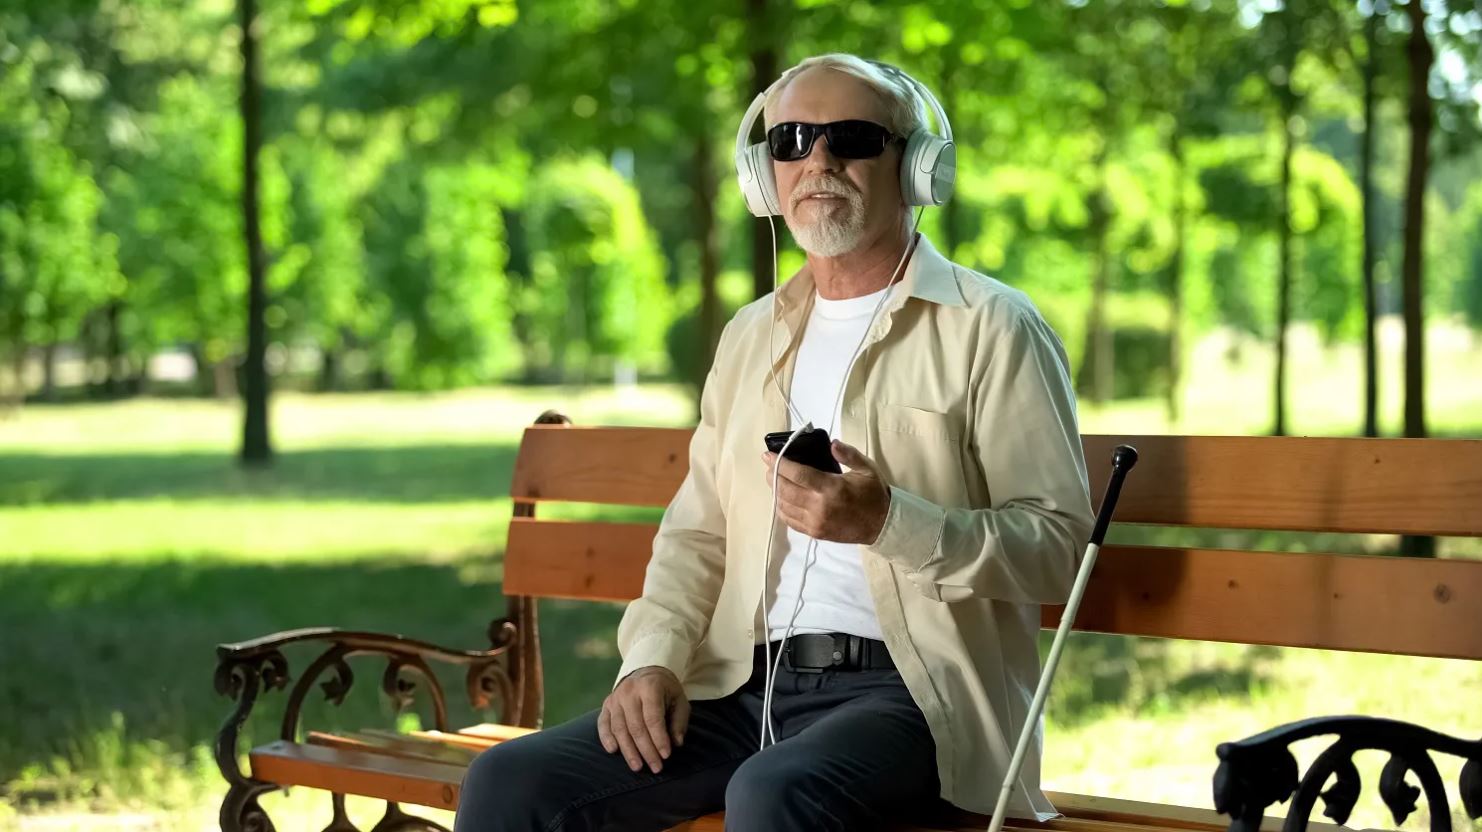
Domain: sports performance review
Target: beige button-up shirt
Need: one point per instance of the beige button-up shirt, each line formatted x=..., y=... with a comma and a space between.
x=962, y=395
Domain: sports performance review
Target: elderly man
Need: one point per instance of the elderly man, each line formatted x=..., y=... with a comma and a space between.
x=960, y=508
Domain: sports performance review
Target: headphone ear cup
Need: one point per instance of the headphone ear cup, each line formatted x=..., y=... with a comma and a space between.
x=761, y=159
x=928, y=169
x=758, y=182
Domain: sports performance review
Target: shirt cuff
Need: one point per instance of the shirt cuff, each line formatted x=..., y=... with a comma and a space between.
x=659, y=649
x=912, y=530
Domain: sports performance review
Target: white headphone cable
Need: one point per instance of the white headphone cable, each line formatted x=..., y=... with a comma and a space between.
x=770, y=675
x=772, y=335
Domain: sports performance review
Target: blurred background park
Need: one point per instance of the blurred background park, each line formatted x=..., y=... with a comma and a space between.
x=275, y=309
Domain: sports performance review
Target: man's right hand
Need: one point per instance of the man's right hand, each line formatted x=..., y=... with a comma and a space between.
x=641, y=714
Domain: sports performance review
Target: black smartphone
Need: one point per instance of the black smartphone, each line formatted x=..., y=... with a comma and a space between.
x=812, y=448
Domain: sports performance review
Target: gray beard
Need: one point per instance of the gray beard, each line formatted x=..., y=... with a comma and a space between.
x=829, y=236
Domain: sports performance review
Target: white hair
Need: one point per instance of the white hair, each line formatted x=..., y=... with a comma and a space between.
x=905, y=112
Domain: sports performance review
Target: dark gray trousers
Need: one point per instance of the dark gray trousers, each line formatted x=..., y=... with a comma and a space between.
x=854, y=753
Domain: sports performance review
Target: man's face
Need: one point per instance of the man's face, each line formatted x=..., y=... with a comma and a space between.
x=833, y=205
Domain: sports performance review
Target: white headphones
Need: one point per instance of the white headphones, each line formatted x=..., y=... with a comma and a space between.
x=928, y=165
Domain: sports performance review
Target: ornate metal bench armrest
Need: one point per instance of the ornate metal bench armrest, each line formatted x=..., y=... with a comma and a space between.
x=244, y=669
x=1259, y=771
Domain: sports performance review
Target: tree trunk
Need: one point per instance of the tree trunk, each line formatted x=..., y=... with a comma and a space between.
x=763, y=72
x=88, y=341
x=49, y=372
x=137, y=380
x=1366, y=188
x=112, y=379
x=1098, y=357
x=256, y=447
x=224, y=378
x=704, y=187
x=13, y=395
x=1176, y=279
x=1098, y=331
x=329, y=370
x=517, y=268
x=1412, y=268
x=204, y=385
x=1284, y=286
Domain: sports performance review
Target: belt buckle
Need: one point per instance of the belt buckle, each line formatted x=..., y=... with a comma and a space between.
x=787, y=661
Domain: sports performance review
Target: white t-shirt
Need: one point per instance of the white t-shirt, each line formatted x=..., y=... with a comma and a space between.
x=837, y=596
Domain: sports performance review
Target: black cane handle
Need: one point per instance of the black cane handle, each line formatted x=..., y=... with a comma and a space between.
x=1123, y=458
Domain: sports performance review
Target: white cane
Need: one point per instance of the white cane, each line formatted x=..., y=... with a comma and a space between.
x=1123, y=458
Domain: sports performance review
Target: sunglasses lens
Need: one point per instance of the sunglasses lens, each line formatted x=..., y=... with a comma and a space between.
x=793, y=140
x=856, y=139
x=790, y=140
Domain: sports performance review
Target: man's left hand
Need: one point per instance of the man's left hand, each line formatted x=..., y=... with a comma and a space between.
x=843, y=508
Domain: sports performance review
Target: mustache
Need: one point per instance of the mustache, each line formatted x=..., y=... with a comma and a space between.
x=826, y=185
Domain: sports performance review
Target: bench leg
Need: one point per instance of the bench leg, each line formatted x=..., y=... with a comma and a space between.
x=341, y=821
x=396, y=820
x=240, y=811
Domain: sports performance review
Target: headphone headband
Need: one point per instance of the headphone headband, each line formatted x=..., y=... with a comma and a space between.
x=931, y=100
x=928, y=164
x=744, y=131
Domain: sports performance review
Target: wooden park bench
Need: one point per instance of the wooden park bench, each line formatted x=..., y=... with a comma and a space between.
x=1412, y=606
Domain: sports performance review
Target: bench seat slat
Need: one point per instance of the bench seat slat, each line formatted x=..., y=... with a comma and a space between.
x=347, y=771
x=492, y=732
x=1381, y=486
x=383, y=775
x=1418, y=607
x=406, y=746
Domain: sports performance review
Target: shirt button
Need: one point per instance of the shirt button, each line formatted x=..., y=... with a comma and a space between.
x=751, y=633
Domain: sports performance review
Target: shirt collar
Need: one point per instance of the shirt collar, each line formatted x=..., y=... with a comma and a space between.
x=929, y=276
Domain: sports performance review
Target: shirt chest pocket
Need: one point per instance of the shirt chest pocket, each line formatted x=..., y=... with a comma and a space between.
x=919, y=422
x=922, y=452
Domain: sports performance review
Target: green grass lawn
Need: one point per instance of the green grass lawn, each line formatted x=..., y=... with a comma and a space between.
x=131, y=544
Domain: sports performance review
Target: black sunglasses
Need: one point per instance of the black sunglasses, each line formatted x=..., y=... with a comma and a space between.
x=853, y=139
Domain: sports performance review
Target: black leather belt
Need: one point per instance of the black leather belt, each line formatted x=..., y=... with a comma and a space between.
x=817, y=652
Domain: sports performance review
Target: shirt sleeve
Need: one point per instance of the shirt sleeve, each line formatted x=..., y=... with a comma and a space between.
x=1026, y=545
x=681, y=586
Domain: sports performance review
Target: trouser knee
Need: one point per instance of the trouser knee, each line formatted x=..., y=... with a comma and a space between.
x=502, y=793
x=773, y=798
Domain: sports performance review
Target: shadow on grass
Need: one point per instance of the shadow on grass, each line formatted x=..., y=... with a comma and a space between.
x=100, y=658
x=1101, y=673
x=411, y=474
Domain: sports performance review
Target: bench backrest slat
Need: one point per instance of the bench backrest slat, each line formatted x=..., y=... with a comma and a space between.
x=1335, y=602
x=1386, y=486
x=621, y=466
x=1383, y=486
x=1346, y=602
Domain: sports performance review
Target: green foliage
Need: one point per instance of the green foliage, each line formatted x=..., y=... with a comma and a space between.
x=176, y=211
x=1469, y=299
x=1327, y=217
x=319, y=274
x=1239, y=178
x=400, y=140
x=437, y=293
x=684, y=341
x=597, y=291
x=54, y=265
